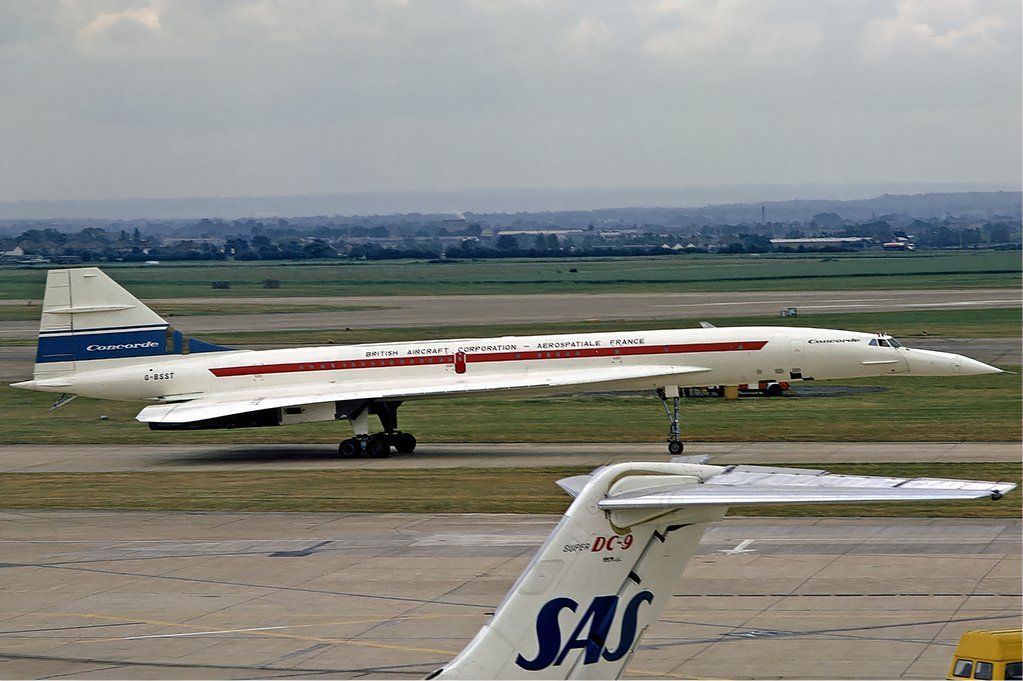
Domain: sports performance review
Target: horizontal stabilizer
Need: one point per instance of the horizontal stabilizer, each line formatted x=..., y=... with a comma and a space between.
x=749, y=485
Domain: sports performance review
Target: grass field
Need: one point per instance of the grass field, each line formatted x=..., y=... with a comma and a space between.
x=975, y=408
x=465, y=490
x=929, y=269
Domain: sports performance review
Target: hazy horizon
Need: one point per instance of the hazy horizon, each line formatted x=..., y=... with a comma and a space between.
x=470, y=201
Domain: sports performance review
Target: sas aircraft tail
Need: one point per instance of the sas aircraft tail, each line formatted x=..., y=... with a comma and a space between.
x=88, y=317
x=607, y=570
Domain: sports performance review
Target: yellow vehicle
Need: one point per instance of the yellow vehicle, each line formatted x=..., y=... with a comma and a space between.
x=988, y=655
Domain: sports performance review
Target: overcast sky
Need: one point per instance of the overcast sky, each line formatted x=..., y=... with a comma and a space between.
x=178, y=98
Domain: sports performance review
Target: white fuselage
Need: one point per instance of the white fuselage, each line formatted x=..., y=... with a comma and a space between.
x=730, y=356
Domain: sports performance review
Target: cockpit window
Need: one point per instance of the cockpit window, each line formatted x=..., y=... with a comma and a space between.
x=885, y=342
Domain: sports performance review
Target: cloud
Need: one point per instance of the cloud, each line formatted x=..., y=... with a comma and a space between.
x=298, y=20
x=752, y=29
x=959, y=26
x=126, y=24
x=589, y=34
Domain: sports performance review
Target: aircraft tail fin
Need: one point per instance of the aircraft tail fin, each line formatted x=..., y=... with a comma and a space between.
x=608, y=568
x=579, y=608
x=88, y=316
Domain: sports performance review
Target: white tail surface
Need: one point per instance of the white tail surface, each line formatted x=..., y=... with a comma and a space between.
x=579, y=609
x=607, y=570
x=88, y=316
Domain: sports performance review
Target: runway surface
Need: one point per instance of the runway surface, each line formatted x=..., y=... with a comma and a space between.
x=252, y=595
x=411, y=311
x=103, y=458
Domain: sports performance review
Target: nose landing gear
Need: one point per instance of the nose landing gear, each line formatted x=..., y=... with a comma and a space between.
x=675, y=444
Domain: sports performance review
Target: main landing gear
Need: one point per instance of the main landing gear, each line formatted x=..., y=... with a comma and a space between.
x=377, y=445
x=675, y=444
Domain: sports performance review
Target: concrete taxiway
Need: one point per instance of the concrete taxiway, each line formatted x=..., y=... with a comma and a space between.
x=124, y=458
x=411, y=311
x=253, y=595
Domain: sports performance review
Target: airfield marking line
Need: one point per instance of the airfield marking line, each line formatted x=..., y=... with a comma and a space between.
x=318, y=639
x=741, y=548
x=645, y=673
x=187, y=633
x=782, y=302
x=266, y=630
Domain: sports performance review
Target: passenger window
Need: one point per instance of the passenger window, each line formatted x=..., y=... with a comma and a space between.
x=963, y=669
x=984, y=671
x=1014, y=671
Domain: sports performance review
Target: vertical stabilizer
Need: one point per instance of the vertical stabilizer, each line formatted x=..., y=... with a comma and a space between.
x=579, y=609
x=88, y=316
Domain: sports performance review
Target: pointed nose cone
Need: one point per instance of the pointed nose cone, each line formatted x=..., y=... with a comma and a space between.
x=933, y=363
x=971, y=367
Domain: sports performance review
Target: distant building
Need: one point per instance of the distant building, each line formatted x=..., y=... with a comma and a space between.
x=825, y=241
x=178, y=240
x=545, y=232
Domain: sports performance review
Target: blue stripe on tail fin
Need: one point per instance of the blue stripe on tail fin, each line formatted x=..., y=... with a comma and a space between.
x=78, y=346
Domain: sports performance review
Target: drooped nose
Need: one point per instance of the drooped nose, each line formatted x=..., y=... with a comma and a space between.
x=933, y=363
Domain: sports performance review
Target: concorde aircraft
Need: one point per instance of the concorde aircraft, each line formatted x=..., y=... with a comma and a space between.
x=96, y=339
x=609, y=567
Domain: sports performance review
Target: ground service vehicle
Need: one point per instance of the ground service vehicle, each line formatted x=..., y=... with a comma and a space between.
x=988, y=655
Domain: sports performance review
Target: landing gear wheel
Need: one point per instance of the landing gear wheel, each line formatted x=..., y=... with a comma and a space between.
x=377, y=448
x=349, y=448
x=405, y=443
x=675, y=445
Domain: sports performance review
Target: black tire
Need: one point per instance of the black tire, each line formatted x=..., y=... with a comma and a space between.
x=348, y=448
x=377, y=448
x=405, y=443
x=675, y=448
x=773, y=390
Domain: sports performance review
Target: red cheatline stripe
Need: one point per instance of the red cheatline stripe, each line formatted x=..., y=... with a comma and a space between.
x=531, y=355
